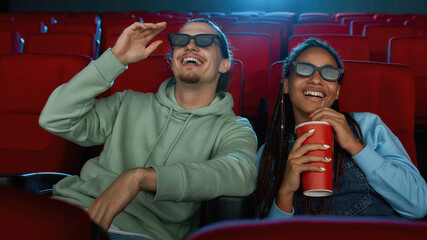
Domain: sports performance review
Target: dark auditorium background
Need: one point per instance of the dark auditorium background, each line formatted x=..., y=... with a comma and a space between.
x=297, y=6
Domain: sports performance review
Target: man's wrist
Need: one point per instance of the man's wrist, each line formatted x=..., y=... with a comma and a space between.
x=147, y=179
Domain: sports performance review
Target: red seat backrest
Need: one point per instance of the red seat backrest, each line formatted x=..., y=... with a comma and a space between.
x=41, y=217
x=356, y=26
x=256, y=64
x=386, y=90
x=421, y=24
x=379, y=35
x=25, y=28
x=11, y=42
x=63, y=43
x=301, y=29
x=26, y=82
x=273, y=29
x=274, y=81
x=89, y=28
x=412, y=51
x=223, y=21
x=320, y=228
x=343, y=44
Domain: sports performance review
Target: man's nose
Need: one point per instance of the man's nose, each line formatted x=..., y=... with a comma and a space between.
x=191, y=45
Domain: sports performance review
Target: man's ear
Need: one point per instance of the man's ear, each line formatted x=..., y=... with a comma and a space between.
x=225, y=66
x=286, y=85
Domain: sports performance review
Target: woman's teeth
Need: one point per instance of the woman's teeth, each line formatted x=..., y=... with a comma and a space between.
x=314, y=94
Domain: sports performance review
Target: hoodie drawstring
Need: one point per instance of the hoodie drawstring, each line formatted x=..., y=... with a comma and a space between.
x=160, y=135
x=178, y=136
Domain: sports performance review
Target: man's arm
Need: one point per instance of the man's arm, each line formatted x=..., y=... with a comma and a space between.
x=231, y=171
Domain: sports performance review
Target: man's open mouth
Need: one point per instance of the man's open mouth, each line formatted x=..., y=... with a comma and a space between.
x=191, y=60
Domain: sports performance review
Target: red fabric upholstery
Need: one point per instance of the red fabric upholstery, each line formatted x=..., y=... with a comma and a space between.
x=28, y=216
x=340, y=16
x=25, y=28
x=10, y=42
x=26, y=82
x=274, y=81
x=412, y=51
x=356, y=26
x=63, y=43
x=223, y=21
x=383, y=89
x=301, y=29
x=308, y=228
x=256, y=63
x=421, y=24
x=89, y=28
x=343, y=44
x=379, y=35
x=273, y=29
x=372, y=87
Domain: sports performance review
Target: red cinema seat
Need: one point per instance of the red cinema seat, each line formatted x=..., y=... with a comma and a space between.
x=26, y=82
x=379, y=35
x=25, y=28
x=302, y=29
x=308, y=228
x=11, y=42
x=347, y=20
x=148, y=74
x=82, y=18
x=357, y=25
x=386, y=90
x=63, y=43
x=383, y=89
x=29, y=216
x=348, y=47
x=421, y=24
x=340, y=16
x=256, y=63
x=88, y=28
x=273, y=29
x=274, y=81
x=412, y=51
x=223, y=21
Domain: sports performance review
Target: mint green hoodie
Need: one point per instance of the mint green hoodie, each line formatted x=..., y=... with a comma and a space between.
x=198, y=154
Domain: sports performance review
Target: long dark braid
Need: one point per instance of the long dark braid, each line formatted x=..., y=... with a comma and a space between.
x=275, y=154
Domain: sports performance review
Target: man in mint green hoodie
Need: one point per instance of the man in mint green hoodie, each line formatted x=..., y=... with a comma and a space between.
x=163, y=153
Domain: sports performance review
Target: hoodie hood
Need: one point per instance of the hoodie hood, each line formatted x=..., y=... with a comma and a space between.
x=221, y=105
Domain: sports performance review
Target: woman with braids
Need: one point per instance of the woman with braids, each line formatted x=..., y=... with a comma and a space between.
x=373, y=174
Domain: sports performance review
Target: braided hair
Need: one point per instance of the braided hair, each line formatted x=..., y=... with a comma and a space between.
x=275, y=154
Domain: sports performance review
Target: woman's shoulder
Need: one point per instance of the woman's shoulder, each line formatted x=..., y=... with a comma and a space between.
x=367, y=120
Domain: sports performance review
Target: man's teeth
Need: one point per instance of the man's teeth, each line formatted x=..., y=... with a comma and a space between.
x=314, y=94
x=192, y=60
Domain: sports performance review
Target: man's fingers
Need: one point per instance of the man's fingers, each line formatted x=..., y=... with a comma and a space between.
x=153, y=46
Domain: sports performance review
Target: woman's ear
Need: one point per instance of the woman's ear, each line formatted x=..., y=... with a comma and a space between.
x=338, y=92
x=225, y=66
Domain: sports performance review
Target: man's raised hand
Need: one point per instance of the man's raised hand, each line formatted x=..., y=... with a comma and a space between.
x=131, y=45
